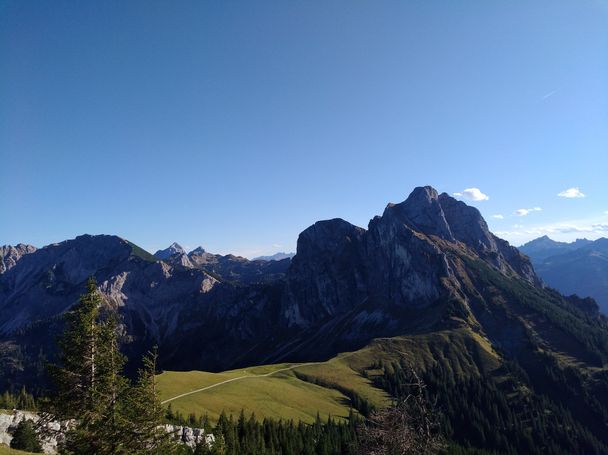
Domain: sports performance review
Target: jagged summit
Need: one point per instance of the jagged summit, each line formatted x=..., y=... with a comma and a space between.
x=197, y=251
x=422, y=211
x=175, y=248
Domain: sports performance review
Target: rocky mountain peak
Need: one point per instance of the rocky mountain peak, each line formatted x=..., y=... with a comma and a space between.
x=466, y=224
x=423, y=212
x=197, y=251
x=174, y=248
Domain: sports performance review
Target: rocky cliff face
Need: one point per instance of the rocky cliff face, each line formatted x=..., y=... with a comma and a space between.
x=401, y=260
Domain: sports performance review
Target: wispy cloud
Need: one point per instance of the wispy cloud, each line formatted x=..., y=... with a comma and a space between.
x=550, y=94
x=571, y=193
x=524, y=212
x=498, y=216
x=472, y=194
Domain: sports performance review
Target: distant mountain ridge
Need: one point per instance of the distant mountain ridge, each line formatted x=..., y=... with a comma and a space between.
x=275, y=257
x=580, y=267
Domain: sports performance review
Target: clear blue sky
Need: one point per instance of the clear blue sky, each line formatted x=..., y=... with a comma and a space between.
x=236, y=124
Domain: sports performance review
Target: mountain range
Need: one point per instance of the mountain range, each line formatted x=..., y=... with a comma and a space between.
x=427, y=268
x=580, y=267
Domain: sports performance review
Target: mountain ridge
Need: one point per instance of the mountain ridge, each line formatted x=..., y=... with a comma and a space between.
x=580, y=267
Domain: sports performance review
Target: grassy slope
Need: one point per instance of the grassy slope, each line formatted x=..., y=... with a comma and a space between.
x=295, y=394
x=4, y=450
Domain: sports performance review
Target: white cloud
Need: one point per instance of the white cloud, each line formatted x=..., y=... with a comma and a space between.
x=498, y=216
x=571, y=193
x=473, y=194
x=524, y=212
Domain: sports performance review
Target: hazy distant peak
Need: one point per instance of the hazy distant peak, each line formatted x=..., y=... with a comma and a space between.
x=198, y=250
x=275, y=257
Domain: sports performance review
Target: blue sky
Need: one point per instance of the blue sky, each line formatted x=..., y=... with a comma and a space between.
x=235, y=125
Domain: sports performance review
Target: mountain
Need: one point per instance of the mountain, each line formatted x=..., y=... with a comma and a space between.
x=275, y=257
x=578, y=268
x=174, y=248
x=427, y=280
x=235, y=269
x=543, y=247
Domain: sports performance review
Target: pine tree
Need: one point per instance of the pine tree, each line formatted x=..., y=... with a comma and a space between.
x=145, y=414
x=89, y=383
x=76, y=377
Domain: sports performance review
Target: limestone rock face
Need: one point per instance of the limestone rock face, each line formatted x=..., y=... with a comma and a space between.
x=327, y=274
x=9, y=255
x=52, y=433
x=401, y=261
x=191, y=437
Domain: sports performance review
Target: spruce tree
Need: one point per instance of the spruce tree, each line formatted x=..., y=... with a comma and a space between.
x=25, y=437
x=76, y=377
x=89, y=386
x=145, y=413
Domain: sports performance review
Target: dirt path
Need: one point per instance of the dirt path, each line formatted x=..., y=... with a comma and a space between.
x=238, y=379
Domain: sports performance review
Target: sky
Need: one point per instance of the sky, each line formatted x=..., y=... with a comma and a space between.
x=235, y=125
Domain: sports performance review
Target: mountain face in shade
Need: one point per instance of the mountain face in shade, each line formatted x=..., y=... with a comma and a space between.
x=580, y=267
x=175, y=248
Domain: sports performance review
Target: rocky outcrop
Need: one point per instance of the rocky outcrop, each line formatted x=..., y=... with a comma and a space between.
x=9, y=255
x=191, y=437
x=52, y=432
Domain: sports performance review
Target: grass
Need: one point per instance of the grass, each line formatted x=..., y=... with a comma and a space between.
x=280, y=396
x=4, y=450
x=327, y=387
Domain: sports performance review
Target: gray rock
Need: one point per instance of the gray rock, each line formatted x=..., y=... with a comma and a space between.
x=174, y=248
x=9, y=255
